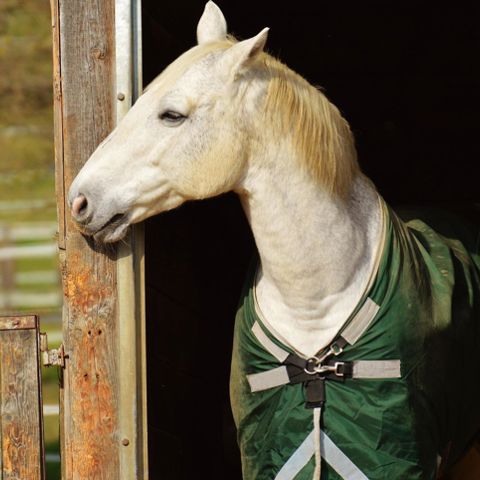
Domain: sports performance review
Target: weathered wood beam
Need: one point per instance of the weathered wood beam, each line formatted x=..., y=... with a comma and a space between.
x=21, y=425
x=84, y=82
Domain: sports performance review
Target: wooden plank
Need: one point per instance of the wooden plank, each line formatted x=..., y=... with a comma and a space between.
x=89, y=397
x=58, y=122
x=18, y=322
x=20, y=401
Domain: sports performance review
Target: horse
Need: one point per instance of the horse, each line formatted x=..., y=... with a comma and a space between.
x=354, y=337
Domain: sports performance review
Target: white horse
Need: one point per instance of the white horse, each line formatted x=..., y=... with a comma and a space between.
x=226, y=116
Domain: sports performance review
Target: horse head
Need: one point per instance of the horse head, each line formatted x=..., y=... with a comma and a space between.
x=187, y=137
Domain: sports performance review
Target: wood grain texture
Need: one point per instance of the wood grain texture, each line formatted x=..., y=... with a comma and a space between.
x=20, y=406
x=18, y=322
x=58, y=122
x=89, y=398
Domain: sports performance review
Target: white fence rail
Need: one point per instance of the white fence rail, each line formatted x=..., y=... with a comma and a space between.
x=36, y=288
x=36, y=277
x=28, y=251
x=18, y=205
x=18, y=299
x=40, y=231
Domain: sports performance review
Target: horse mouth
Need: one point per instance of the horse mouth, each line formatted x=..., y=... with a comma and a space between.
x=113, y=230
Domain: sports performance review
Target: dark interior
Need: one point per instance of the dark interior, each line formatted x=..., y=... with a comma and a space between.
x=406, y=77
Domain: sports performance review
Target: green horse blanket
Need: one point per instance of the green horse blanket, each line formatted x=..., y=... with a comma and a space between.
x=424, y=308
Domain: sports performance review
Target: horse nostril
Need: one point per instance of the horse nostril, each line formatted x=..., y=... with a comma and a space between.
x=79, y=207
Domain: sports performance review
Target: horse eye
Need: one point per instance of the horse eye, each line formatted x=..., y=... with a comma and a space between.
x=172, y=117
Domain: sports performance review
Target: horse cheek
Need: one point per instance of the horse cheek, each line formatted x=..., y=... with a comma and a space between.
x=215, y=172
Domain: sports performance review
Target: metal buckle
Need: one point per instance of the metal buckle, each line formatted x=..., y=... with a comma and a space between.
x=335, y=349
x=316, y=363
x=336, y=366
x=331, y=368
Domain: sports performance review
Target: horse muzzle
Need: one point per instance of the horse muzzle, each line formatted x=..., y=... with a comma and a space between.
x=108, y=224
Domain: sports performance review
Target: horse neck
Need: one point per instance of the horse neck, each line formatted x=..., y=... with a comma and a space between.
x=317, y=252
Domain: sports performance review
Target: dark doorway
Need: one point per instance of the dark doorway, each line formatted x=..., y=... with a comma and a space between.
x=406, y=77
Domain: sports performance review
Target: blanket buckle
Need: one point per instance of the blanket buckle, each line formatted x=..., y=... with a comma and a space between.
x=314, y=366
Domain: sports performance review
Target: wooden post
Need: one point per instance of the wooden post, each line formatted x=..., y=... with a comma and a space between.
x=102, y=410
x=21, y=425
x=84, y=53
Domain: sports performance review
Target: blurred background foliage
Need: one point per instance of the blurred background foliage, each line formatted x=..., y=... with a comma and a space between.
x=26, y=122
x=29, y=279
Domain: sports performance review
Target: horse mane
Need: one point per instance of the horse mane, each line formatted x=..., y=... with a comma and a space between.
x=320, y=135
x=293, y=108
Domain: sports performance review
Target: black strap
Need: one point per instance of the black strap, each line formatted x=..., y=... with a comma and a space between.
x=315, y=393
x=313, y=373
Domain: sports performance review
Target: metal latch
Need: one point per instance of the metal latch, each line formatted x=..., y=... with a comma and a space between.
x=53, y=357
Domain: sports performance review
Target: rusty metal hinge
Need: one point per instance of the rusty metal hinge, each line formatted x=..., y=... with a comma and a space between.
x=53, y=357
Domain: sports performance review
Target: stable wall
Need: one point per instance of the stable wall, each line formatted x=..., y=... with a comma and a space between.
x=406, y=78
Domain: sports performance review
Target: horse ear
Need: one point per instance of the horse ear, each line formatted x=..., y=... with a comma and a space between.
x=212, y=26
x=242, y=53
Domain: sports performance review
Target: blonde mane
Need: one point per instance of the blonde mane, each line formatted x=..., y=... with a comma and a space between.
x=293, y=109
x=320, y=135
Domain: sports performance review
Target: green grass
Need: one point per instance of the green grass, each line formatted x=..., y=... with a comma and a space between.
x=31, y=264
x=26, y=118
x=27, y=216
x=50, y=393
x=26, y=152
x=37, y=288
x=53, y=468
x=25, y=56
